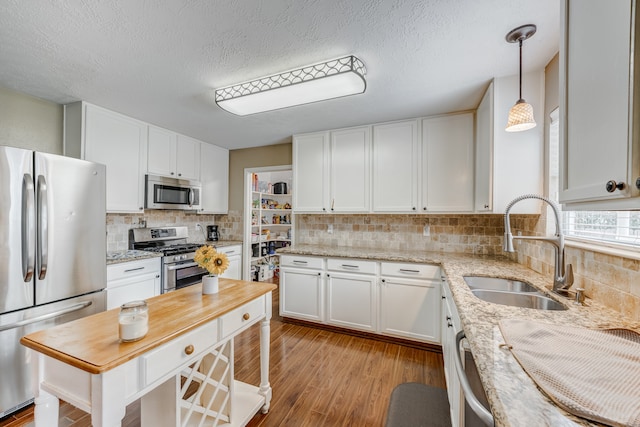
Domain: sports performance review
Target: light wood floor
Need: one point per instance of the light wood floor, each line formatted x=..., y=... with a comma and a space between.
x=319, y=378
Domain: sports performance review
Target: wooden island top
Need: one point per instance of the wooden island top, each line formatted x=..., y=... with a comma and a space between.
x=92, y=343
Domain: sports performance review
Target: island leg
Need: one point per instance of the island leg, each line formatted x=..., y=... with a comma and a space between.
x=46, y=405
x=265, y=343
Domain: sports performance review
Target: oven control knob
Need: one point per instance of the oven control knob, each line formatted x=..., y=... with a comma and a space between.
x=176, y=258
x=183, y=257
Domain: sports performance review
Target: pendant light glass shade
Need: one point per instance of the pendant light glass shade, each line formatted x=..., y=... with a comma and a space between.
x=521, y=114
x=331, y=79
x=520, y=117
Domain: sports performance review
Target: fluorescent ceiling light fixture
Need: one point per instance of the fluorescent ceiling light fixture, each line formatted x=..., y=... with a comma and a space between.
x=327, y=80
x=521, y=114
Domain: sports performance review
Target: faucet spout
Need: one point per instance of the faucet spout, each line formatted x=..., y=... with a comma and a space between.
x=563, y=275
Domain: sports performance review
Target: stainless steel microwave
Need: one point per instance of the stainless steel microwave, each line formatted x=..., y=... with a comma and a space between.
x=171, y=193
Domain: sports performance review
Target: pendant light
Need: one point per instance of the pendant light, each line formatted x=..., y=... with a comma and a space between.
x=521, y=114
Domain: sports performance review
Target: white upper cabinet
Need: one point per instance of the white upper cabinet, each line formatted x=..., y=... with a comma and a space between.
x=214, y=178
x=119, y=142
x=600, y=148
x=349, y=170
x=395, y=167
x=448, y=163
x=509, y=164
x=311, y=172
x=331, y=171
x=173, y=155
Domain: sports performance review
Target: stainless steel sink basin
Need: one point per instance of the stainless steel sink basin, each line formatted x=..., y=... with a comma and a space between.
x=519, y=299
x=498, y=284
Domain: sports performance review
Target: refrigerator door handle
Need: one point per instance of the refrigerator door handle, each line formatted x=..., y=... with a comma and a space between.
x=47, y=316
x=28, y=227
x=43, y=228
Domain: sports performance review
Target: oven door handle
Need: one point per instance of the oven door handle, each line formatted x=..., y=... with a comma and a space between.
x=179, y=266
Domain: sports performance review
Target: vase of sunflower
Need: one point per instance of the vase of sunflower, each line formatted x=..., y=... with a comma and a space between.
x=215, y=263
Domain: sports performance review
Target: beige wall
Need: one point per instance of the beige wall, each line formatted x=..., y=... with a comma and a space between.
x=271, y=155
x=29, y=122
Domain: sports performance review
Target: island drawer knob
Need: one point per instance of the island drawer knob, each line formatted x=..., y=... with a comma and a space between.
x=189, y=349
x=246, y=316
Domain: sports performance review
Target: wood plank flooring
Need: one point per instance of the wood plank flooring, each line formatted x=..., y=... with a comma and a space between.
x=319, y=378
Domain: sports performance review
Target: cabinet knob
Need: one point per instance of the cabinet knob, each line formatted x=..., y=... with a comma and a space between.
x=328, y=275
x=171, y=173
x=179, y=174
x=140, y=208
x=449, y=325
x=486, y=206
x=443, y=297
x=413, y=208
x=424, y=208
x=324, y=209
x=612, y=186
x=319, y=274
x=188, y=349
x=384, y=280
x=448, y=318
x=638, y=183
x=246, y=316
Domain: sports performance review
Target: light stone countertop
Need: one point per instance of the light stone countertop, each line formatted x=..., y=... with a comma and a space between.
x=116, y=257
x=515, y=400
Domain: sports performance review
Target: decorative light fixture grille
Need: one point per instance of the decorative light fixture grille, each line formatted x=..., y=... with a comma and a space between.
x=289, y=79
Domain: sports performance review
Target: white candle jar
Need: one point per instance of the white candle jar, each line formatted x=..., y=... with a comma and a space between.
x=133, y=321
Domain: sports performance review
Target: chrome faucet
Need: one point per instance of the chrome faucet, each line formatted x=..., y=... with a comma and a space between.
x=563, y=275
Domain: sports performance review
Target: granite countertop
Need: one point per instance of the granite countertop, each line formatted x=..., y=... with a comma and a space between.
x=116, y=257
x=515, y=400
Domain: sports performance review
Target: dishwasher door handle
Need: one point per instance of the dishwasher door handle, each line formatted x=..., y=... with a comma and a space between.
x=471, y=398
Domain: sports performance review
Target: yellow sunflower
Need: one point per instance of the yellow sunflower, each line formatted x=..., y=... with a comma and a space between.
x=213, y=261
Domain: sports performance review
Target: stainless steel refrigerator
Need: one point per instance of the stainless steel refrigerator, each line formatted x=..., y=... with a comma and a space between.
x=52, y=254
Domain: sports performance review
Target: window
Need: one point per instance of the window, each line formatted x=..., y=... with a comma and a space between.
x=619, y=227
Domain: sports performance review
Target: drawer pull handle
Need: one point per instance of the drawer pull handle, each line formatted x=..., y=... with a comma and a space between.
x=134, y=269
x=350, y=266
x=246, y=316
x=295, y=261
x=404, y=270
x=189, y=349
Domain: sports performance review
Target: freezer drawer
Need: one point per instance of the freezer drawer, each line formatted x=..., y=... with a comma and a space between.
x=15, y=391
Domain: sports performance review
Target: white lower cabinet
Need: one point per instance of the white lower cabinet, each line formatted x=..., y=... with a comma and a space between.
x=133, y=280
x=396, y=299
x=302, y=287
x=410, y=301
x=234, y=254
x=352, y=294
x=450, y=326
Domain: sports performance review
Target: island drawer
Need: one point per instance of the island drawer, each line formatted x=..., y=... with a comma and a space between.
x=408, y=270
x=171, y=355
x=242, y=316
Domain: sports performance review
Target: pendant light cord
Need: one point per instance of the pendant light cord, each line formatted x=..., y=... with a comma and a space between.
x=520, y=42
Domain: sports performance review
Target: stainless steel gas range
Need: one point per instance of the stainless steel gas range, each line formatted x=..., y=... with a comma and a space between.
x=178, y=268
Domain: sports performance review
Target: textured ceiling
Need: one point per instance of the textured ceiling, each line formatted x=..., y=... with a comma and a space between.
x=159, y=60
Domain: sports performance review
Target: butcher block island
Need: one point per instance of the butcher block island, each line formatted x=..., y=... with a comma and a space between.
x=182, y=370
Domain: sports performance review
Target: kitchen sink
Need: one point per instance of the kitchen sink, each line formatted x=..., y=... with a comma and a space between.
x=498, y=284
x=519, y=299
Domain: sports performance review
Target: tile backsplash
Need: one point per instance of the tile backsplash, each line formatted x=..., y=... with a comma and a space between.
x=118, y=225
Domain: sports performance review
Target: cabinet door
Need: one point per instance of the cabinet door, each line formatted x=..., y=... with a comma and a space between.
x=484, y=153
x=311, y=172
x=214, y=178
x=188, y=158
x=454, y=391
x=351, y=301
x=395, y=167
x=301, y=294
x=410, y=308
x=162, y=152
x=448, y=163
x=595, y=73
x=234, y=269
x=350, y=170
x=120, y=143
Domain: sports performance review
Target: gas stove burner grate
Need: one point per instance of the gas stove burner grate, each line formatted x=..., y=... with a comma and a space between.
x=173, y=249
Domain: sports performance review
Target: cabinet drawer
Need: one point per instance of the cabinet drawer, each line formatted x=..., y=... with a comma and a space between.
x=352, y=266
x=132, y=268
x=301, y=261
x=235, y=250
x=242, y=316
x=168, y=357
x=415, y=271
